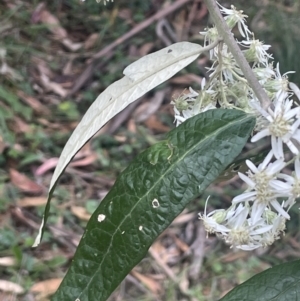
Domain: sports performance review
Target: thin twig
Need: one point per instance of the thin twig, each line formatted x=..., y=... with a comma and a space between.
x=228, y=37
x=168, y=271
x=87, y=73
x=159, y=15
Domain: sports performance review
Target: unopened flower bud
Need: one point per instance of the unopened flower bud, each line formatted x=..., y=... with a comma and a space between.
x=270, y=216
x=181, y=104
x=220, y=216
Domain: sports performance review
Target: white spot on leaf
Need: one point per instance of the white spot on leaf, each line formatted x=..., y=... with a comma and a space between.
x=155, y=203
x=101, y=218
x=123, y=232
x=140, y=228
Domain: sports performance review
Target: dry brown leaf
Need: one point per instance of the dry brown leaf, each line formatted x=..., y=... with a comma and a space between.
x=294, y=243
x=181, y=244
x=45, y=77
x=20, y=126
x=184, y=218
x=85, y=161
x=46, y=287
x=85, y=157
x=71, y=45
x=32, y=202
x=8, y=286
x=36, y=14
x=44, y=16
x=154, y=286
x=86, y=150
x=145, y=48
x=52, y=86
x=7, y=261
x=7, y=296
x=91, y=41
x=231, y=257
x=47, y=165
x=68, y=68
x=80, y=212
x=187, y=79
x=54, y=25
x=24, y=183
x=33, y=103
x=50, y=125
x=161, y=261
x=158, y=248
x=42, y=66
x=126, y=15
x=131, y=126
x=148, y=108
x=120, y=138
x=154, y=124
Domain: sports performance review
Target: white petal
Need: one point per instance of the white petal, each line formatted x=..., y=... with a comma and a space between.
x=279, y=209
x=253, y=168
x=247, y=196
x=297, y=168
x=257, y=211
x=277, y=147
x=261, y=134
x=279, y=185
x=249, y=247
x=246, y=179
x=267, y=160
x=261, y=230
x=292, y=147
x=239, y=221
x=290, y=113
x=276, y=166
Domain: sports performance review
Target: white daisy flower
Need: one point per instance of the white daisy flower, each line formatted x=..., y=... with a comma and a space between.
x=262, y=189
x=283, y=124
x=234, y=17
x=279, y=82
x=257, y=52
x=291, y=186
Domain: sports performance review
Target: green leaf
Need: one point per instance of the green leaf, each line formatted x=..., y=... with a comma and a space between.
x=146, y=198
x=280, y=283
x=140, y=77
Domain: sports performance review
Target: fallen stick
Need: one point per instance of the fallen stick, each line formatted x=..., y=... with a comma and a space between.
x=87, y=73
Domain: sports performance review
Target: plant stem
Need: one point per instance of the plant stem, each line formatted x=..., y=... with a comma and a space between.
x=228, y=38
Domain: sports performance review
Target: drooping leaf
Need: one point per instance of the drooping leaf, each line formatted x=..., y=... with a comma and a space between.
x=140, y=77
x=279, y=283
x=146, y=198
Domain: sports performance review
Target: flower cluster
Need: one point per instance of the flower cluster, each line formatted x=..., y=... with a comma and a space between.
x=257, y=217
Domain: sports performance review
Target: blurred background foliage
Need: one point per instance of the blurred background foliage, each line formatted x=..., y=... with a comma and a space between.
x=44, y=49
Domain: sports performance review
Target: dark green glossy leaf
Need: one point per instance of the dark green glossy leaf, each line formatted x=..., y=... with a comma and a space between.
x=146, y=198
x=280, y=283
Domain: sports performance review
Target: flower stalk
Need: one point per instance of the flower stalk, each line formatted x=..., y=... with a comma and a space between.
x=229, y=40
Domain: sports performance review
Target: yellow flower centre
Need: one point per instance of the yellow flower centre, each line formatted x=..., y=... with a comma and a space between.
x=279, y=127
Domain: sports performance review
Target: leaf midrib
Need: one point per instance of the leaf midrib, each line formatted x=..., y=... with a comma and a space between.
x=134, y=83
x=152, y=188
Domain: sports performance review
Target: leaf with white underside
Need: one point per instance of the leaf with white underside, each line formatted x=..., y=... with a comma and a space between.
x=140, y=77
